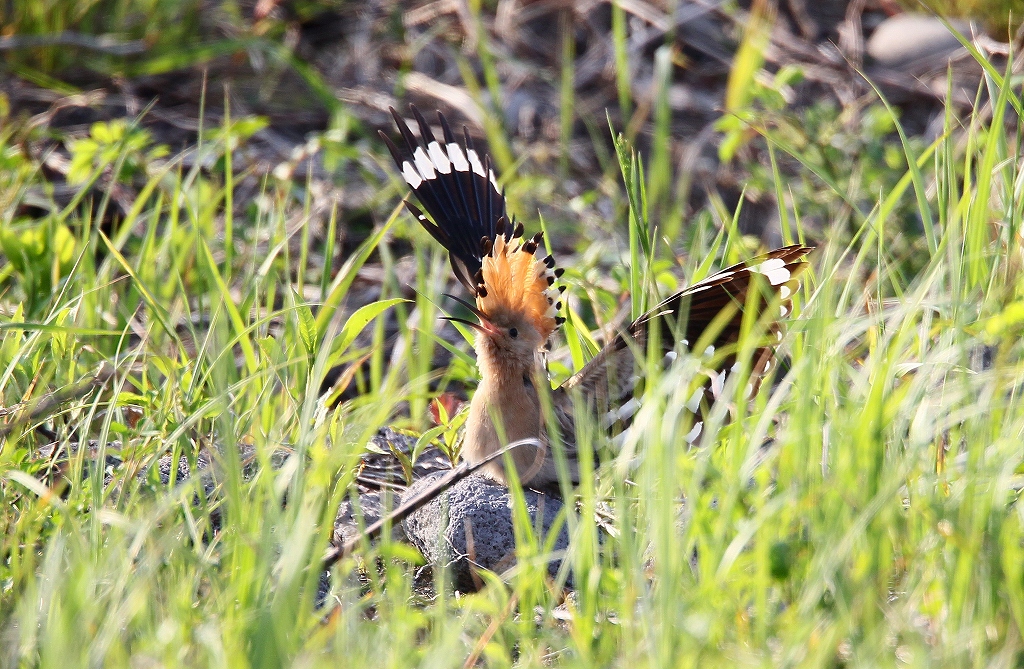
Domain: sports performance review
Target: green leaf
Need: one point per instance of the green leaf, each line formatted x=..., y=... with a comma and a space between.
x=307, y=327
x=339, y=287
x=360, y=319
x=425, y=439
x=271, y=348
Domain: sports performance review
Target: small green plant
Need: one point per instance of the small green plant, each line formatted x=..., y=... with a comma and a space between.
x=111, y=142
x=98, y=34
x=40, y=254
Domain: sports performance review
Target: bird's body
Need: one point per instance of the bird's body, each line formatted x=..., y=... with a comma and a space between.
x=505, y=408
x=517, y=306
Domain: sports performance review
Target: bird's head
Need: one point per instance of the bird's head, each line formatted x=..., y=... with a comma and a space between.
x=510, y=338
x=517, y=302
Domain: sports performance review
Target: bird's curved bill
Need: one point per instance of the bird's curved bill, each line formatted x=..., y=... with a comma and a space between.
x=485, y=326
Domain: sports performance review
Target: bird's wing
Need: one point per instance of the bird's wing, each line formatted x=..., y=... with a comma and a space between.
x=458, y=189
x=714, y=307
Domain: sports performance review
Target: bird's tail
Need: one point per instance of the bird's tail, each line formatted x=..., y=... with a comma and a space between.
x=458, y=189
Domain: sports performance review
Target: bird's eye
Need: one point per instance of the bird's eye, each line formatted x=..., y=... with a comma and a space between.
x=512, y=332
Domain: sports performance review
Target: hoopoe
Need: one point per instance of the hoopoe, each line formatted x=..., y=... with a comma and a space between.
x=517, y=304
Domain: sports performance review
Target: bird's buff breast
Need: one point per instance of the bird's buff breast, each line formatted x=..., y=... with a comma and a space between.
x=518, y=412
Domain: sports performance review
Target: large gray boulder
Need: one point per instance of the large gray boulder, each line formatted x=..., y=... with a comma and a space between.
x=469, y=527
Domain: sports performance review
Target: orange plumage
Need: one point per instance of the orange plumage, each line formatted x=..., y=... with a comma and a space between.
x=516, y=281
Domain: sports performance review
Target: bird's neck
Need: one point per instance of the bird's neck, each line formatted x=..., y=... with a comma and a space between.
x=507, y=396
x=500, y=371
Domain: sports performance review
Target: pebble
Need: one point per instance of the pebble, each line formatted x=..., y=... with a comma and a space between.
x=906, y=39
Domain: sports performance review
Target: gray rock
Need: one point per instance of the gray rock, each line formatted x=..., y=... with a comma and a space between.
x=915, y=41
x=484, y=508
x=369, y=506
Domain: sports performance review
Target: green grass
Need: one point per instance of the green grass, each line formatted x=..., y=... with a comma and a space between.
x=882, y=527
x=105, y=32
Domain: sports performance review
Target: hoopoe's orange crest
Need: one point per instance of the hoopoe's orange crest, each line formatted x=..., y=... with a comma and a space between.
x=512, y=278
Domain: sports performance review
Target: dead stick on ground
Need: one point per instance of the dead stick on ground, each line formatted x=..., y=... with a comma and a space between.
x=101, y=43
x=46, y=404
x=408, y=506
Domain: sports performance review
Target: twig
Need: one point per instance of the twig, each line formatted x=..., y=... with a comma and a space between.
x=45, y=405
x=101, y=43
x=454, y=96
x=408, y=506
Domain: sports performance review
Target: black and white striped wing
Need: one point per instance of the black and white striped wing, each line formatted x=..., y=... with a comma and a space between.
x=457, y=187
x=719, y=302
x=609, y=382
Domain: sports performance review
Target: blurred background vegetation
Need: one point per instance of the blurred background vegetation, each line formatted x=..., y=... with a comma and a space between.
x=194, y=201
